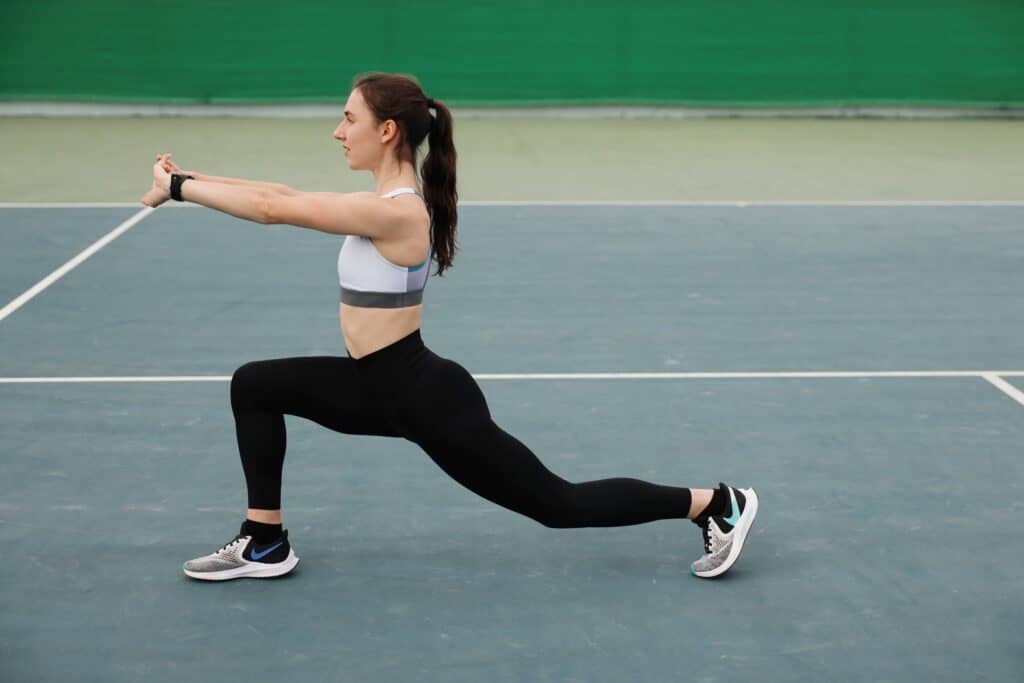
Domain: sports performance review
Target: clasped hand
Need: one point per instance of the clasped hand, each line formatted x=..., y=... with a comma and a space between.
x=160, y=191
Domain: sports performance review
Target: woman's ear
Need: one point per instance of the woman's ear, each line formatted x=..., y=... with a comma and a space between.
x=389, y=131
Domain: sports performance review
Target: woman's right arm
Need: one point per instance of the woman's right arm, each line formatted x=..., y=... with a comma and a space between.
x=276, y=187
x=171, y=167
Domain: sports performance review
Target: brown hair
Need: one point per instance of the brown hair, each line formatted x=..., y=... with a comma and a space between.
x=400, y=98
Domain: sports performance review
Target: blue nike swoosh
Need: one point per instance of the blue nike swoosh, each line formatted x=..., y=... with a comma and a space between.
x=735, y=516
x=258, y=556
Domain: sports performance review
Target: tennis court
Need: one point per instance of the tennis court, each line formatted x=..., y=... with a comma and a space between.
x=884, y=549
x=774, y=246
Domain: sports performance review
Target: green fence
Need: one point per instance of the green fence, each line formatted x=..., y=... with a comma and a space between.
x=683, y=52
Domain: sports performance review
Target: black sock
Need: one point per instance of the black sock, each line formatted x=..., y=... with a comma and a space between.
x=260, y=532
x=719, y=501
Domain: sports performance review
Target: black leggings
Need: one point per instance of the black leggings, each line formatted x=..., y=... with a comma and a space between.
x=405, y=390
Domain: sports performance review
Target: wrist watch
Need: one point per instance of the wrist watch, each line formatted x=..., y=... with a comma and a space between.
x=176, y=180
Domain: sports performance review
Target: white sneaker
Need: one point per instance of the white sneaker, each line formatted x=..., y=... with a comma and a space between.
x=242, y=557
x=724, y=534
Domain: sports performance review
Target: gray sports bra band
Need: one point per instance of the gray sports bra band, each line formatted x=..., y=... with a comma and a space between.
x=354, y=297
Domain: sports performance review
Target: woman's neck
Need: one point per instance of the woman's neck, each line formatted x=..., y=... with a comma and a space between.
x=391, y=177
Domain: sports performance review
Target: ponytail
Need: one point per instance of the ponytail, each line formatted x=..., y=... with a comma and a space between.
x=439, y=192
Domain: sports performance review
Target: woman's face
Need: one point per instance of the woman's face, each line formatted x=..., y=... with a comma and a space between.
x=360, y=134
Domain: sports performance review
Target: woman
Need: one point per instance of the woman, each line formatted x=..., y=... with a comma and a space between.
x=391, y=384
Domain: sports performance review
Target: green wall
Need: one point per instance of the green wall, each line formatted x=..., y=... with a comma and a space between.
x=696, y=52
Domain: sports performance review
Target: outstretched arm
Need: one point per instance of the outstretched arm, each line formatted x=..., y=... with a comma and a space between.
x=241, y=201
x=171, y=167
x=250, y=203
x=354, y=213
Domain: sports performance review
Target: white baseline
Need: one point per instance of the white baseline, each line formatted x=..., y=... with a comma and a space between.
x=741, y=203
x=986, y=374
x=992, y=377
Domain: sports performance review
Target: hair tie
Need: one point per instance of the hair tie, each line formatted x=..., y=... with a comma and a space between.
x=431, y=103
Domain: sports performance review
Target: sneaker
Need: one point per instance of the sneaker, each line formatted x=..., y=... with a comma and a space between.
x=724, y=535
x=242, y=557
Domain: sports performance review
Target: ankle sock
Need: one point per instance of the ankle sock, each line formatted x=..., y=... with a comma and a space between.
x=719, y=502
x=260, y=532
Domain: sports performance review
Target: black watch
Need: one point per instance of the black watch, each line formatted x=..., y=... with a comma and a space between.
x=176, y=180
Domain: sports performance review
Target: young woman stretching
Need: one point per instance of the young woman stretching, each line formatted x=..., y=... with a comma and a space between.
x=391, y=384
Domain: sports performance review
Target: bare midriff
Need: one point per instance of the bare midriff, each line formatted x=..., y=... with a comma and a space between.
x=369, y=329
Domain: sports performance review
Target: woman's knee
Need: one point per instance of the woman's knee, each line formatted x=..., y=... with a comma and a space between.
x=249, y=381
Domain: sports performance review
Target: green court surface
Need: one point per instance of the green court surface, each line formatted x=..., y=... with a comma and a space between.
x=886, y=547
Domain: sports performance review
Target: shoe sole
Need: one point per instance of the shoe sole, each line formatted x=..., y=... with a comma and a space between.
x=254, y=570
x=742, y=528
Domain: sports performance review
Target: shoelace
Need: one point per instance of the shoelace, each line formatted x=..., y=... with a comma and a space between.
x=705, y=525
x=709, y=540
x=705, y=532
x=232, y=543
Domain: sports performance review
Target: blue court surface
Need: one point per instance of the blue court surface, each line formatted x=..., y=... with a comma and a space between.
x=667, y=343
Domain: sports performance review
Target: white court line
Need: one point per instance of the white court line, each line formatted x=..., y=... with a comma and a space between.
x=745, y=203
x=1007, y=388
x=593, y=202
x=60, y=272
x=69, y=205
x=89, y=380
x=577, y=375
x=754, y=375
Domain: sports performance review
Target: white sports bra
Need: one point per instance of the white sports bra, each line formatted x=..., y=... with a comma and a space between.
x=370, y=280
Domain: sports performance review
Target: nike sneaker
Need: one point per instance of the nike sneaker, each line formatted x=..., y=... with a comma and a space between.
x=724, y=535
x=243, y=557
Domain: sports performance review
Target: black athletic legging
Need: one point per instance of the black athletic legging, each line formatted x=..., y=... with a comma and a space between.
x=405, y=390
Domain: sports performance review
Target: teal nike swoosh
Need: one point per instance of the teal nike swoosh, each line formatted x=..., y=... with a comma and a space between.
x=735, y=516
x=259, y=556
